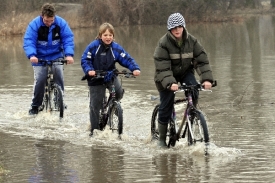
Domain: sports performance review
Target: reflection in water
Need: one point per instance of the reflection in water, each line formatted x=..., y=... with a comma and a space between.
x=239, y=111
x=50, y=165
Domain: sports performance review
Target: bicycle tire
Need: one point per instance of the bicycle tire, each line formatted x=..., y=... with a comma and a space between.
x=103, y=118
x=172, y=134
x=154, y=123
x=171, y=130
x=44, y=104
x=116, y=117
x=199, y=129
x=56, y=100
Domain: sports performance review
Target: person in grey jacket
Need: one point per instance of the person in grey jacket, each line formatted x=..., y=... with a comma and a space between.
x=177, y=56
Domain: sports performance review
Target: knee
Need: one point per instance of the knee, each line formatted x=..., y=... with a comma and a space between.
x=119, y=95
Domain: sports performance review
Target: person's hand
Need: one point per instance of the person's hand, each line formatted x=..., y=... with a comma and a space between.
x=34, y=60
x=207, y=85
x=136, y=72
x=70, y=59
x=91, y=73
x=174, y=87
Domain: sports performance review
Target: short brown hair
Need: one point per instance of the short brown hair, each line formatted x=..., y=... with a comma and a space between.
x=48, y=10
x=103, y=27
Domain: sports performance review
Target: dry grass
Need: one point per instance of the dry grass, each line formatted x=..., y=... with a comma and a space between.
x=90, y=13
x=2, y=171
x=16, y=24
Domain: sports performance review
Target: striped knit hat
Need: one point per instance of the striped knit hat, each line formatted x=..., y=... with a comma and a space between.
x=175, y=20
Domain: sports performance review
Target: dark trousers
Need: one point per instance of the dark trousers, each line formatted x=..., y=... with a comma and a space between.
x=167, y=99
x=96, y=99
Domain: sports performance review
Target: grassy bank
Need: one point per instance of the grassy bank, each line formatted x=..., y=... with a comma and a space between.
x=124, y=12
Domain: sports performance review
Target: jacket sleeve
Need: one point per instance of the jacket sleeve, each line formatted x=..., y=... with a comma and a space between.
x=163, y=73
x=29, y=42
x=86, y=59
x=125, y=60
x=201, y=63
x=67, y=38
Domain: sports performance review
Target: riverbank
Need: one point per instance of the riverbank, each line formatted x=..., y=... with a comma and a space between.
x=75, y=13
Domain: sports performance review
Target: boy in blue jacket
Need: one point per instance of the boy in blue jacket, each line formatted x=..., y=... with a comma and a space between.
x=102, y=54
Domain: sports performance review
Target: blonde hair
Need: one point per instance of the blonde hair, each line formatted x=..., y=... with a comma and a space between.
x=103, y=27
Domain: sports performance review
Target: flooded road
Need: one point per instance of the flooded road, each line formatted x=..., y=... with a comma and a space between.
x=239, y=112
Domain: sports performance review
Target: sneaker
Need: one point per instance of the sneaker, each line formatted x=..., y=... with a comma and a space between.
x=33, y=110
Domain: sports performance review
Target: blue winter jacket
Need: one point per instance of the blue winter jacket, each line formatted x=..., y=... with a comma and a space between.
x=98, y=56
x=48, y=43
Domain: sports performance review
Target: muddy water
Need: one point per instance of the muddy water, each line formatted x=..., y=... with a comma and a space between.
x=240, y=114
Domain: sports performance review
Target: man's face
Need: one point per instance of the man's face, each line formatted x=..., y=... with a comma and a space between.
x=48, y=20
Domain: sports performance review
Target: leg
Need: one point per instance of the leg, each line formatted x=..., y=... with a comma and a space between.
x=58, y=75
x=165, y=110
x=118, y=88
x=96, y=99
x=40, y=76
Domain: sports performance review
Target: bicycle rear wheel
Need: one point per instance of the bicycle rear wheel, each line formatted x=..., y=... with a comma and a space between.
x=116, y=118
x=56, y=100
x=199, y=129
x=171, y=130
x=154, y=123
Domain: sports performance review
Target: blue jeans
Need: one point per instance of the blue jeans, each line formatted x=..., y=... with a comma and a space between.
x=96, y=99
x=167, y=99
x=40, y=77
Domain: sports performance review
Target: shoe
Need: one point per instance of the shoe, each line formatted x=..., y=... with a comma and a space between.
x=33, y=110
x=91, y=134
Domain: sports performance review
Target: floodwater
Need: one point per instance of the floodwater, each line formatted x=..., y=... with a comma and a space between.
x=239, y=112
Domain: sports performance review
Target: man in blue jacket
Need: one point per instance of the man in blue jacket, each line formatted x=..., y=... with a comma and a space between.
x=47, y=37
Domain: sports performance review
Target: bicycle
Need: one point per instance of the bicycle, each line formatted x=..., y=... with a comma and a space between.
x=53, y=94
x=111, y=112
x=193, y=120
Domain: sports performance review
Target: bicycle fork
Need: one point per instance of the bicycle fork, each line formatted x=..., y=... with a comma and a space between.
x=187, y=126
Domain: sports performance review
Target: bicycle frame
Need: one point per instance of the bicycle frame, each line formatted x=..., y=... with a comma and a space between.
x=185, y=119
x=105, y=112
x=192, y=122
x=52, y=86
x=111, y=111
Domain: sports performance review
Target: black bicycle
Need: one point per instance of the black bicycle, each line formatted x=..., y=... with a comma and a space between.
x=53, y=95
x=193, y=120
x=111, y=113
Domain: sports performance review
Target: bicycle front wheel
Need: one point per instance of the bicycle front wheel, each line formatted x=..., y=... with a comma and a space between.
x=56, y=100
x=199, y=129
x=116, y=118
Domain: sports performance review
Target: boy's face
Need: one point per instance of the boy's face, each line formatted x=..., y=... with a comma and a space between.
x=48, y=20
x=177, y=32
x=107, y=37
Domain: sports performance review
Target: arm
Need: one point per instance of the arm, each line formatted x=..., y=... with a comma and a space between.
x=86, y=60
x=125, y=60
x=163, y=73
x=201, y=63
x=67, y=38
x=30, y=39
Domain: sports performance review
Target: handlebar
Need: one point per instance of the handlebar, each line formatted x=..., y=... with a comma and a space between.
x=199, y=87
x=50, y=62
x=103, y=74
